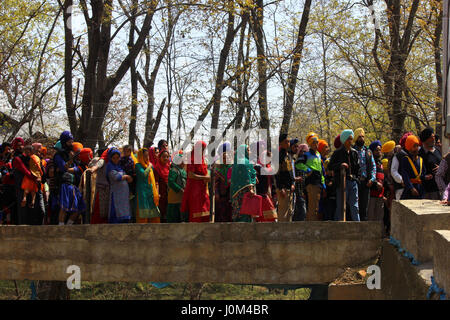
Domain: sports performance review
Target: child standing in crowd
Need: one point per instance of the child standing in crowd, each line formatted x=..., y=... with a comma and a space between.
x=31, y=186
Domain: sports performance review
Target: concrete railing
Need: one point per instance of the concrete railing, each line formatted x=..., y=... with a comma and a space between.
x=265, y=253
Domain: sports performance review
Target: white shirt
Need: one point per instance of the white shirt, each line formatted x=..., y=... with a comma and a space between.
x=394, y=170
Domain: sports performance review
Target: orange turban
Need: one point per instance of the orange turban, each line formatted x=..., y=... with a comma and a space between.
x=86, y=155
x=322, y=145
x=311, y=137
x=44, y=151
x=410, y=142
x=76, y=146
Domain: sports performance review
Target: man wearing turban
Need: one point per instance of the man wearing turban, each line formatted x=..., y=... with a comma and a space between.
x=367, y=170
x=431, y=158
x=284, y=180
x=337, y=142
x=315, y=180
x=413, y=170
x=328, y=201
x=347, y=158
x=395, y=166
x=300, y=187
x=70, y=199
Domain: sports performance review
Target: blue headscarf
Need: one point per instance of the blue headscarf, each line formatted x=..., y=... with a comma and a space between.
x=346, y=134
x=374, y=145
x=111, y=166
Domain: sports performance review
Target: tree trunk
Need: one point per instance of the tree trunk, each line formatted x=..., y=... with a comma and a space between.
x=68, y=45
x=258, y=20
x=295, y=65
x=134, y=79
x=221, y=69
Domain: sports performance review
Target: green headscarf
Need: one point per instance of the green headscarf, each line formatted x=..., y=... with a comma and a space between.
x=243, y=173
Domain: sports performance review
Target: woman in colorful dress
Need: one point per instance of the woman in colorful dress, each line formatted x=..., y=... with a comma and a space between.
x=177, y=183
x=162, y=169
x=147, y=197
x=243, y=180
x=196, y=196
x=119, y=207
x=222, y=185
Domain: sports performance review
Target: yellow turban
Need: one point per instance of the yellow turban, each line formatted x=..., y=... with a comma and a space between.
x=359, y=132
x=385, y=163
x=388, y=147
x=311, y=137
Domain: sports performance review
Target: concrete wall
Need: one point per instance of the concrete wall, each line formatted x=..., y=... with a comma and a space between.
x=400, y=280
x=441, y=259
x=413, y=222
x=269, y=253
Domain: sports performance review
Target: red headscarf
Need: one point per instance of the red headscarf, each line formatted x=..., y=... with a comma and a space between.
x=16, y=141
x=198, y=168
x=152, y=156
x=105, y=155
x=162, y=169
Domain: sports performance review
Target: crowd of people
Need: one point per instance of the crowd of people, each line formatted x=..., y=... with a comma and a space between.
x=66, y=184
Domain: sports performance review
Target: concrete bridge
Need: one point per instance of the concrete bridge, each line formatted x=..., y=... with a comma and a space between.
x=240, y=253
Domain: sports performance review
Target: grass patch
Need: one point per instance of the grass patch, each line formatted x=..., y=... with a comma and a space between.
x=145, y=291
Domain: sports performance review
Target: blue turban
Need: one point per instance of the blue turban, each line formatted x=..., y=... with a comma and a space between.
x=225, y=147
x=374, y=145
x=294, y=141
x=64, y=137
x=346, y=134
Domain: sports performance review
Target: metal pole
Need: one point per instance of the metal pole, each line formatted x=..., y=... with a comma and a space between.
x=343, y=194
x=445, y=65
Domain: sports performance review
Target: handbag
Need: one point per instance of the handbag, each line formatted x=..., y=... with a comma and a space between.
x=251, y=205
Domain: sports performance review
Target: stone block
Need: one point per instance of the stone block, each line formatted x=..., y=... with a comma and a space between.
x=441, y=259
x=413, y=222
